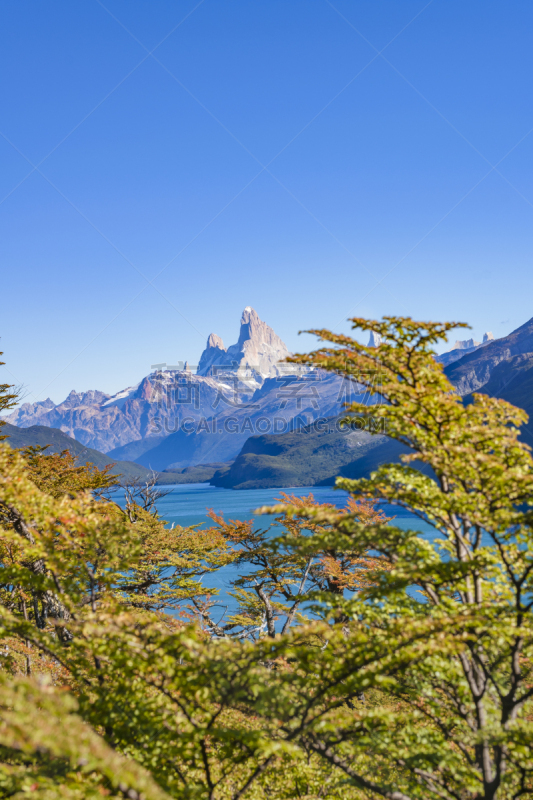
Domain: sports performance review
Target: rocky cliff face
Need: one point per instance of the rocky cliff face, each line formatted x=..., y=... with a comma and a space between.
x=156, y=407
x=213, y=354
x=31, y=413
x=254, y=358
x=37, y=413
x=374, y=339
x=465, y=344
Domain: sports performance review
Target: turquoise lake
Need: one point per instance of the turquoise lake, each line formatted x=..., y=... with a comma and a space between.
x=188, y=505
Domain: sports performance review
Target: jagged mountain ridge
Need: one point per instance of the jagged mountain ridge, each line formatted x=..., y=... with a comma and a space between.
x=253, y=358
x=125, y=417
x=232, y=382
x=460, y=348
x=278, y=406
x=317, y=457
x=473, y=370
x=174, y=419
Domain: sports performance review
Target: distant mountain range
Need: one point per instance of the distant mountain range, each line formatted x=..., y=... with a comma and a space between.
x=474, y=370
x=460, y=348
x=501, y=368
x=504, y=368
x=247, y=420
x=175, y=418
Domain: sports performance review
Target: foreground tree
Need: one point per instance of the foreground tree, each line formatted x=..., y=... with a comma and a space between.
x=276, y=581
x=116, y=699
x=413, y=682
x=455, y=721
x=8, y=398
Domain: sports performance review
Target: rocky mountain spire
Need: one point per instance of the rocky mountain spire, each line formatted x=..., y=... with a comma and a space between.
x=157, y=406
x=253, y=357
x=214, y=350
x=374, y=340
x=253, y=329
x=469, y=344
x=215, y=341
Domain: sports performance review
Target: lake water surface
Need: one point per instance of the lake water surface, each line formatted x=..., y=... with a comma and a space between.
x=188, y=505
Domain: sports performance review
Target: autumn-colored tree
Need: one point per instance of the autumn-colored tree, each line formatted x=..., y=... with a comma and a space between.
x=455, y=718
x=171, y=562
x=168, y=574
x=58, y=474
x=422, y=692
x=100, y=694
x=8, y=398
x=277, y=579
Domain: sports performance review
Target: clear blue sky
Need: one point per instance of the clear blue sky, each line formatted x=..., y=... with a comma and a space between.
x=314, y=160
